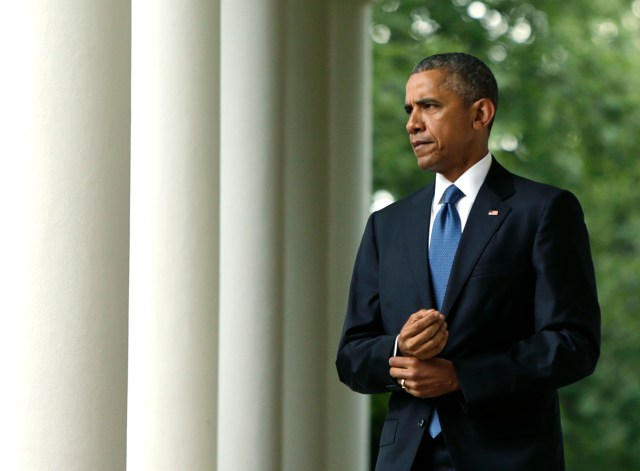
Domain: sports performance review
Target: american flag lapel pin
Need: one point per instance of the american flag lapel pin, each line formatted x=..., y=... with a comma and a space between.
x=494, y=212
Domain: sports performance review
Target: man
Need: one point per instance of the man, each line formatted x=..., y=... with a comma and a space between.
x=474, y=299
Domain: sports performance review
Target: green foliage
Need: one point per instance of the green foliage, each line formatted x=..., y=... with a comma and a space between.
x=569, y=111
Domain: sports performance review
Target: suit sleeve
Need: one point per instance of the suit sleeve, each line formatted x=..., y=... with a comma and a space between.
x=565, y=345
x=365, y=347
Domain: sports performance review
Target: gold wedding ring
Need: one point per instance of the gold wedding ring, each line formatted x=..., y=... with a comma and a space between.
x=402, y=383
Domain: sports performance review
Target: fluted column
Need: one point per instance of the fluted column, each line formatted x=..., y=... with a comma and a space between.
x=327, y=180
x=174, y=236
x=307, y=187
x=251, y=236
x=65, y=210
x=350, y=169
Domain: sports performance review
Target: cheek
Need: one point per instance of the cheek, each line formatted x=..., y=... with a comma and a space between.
x=453, y=135
x=439, y=135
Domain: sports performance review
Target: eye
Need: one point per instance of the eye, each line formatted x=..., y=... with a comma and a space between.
x=408, y=109
x=427, y=104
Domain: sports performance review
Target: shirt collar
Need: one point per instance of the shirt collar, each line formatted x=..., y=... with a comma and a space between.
x=469, y=182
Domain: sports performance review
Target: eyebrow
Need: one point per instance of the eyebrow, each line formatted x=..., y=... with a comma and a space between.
x=422, y=101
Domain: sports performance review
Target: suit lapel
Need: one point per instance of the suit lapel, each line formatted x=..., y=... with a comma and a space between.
x=417, y=243
x=487, y=215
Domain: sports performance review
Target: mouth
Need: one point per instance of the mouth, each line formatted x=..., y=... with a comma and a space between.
x=418, y=144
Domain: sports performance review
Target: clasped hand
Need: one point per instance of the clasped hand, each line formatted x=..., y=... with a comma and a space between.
x=424, y=336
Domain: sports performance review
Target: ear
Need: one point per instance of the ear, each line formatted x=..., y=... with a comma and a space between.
x=483, y=112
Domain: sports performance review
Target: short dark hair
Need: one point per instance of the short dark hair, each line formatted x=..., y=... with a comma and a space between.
x=469, y=76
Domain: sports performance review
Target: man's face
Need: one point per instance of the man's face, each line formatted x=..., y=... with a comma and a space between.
x=441, y=125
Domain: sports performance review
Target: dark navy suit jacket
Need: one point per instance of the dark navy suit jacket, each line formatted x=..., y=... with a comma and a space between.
x=523, y=318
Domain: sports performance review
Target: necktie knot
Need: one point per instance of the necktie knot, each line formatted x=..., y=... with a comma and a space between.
x=451, y=195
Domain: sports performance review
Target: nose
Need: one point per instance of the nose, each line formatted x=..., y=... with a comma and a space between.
x=414, y=123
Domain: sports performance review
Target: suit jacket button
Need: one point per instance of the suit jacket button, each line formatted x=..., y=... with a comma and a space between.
x=421, y=423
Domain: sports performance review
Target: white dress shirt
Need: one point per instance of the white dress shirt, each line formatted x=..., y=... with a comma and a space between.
x=469, y=183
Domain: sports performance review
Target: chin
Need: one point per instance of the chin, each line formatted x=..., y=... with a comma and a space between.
x=425, y=163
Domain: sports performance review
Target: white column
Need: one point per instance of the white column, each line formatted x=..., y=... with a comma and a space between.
x=249, y=419
x=327, y=179
x=307, y=186
x=64, y=200
x=348, y=412
x=174, y=236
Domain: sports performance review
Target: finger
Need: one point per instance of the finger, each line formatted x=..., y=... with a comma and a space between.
x=435, y=333
x=398, y=373
x=433, y=347
x=400, y=362
x=421, y=314
x=419, y=346
x=416, y=317
x=416, y=333
x=425, y=312
x=427, y=335
x=438, y=340
x=433, y=320
x=433, y=329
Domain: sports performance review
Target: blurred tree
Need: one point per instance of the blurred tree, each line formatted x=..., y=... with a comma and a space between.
x=568, y=74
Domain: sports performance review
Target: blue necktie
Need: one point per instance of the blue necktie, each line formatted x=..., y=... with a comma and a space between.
x=445, y=237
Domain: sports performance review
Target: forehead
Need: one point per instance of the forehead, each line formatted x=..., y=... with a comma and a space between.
x=429, y=84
